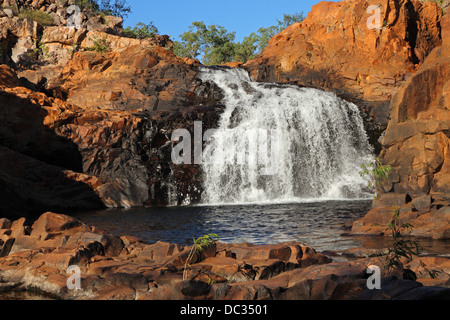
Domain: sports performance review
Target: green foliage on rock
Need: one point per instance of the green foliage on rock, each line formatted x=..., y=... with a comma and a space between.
x=90, y=5
x=44, y=19
x=141, y=31
x=40, y=51
x=198, y=247
x=100, y=45
x=377, y=173
x=117, y=8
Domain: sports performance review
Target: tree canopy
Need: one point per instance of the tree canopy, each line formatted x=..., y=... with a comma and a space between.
x=212, y=44
x=215, y=45
x=118, y=8
x=141, y=31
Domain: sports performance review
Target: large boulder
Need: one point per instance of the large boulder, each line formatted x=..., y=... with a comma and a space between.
x=18, y=38
x=50, y=224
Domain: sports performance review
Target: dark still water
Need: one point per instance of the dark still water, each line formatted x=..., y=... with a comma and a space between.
x=319, y=224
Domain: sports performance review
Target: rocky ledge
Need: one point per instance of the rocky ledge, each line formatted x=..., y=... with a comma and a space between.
x=37, y=257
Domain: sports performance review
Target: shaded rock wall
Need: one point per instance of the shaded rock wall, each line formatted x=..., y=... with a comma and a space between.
x=99, y=119
x=125, y=157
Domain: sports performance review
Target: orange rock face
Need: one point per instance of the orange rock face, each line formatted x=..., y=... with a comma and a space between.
x=138, y=78
x=336, y=48
x=417, y=146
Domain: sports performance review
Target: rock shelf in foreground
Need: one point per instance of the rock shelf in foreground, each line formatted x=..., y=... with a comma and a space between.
x=38, y=256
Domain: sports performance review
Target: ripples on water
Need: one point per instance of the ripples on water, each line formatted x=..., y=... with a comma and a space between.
x=319, y=224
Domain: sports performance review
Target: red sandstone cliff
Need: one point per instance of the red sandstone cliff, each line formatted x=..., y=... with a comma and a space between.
x=416, y=145
x=334, y=49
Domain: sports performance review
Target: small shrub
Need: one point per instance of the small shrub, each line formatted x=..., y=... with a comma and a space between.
x=44, y=19
x=198, y=247
x=40, y=51
x=90, y=5
x=99, y=45
x=72, y=49
x=377, y=172
x=118, y=8
x=401, y=248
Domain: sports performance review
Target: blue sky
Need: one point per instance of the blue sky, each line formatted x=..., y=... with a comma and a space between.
x=241, y=16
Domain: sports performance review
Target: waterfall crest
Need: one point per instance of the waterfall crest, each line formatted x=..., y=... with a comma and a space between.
x=281, y=143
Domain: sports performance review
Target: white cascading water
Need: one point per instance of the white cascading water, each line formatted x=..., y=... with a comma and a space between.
x=282, y=143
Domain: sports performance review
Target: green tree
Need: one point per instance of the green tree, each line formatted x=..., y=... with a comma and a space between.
x=265, y=34
x=246, y=49
x=118, y=8
x=215, y=45
x=290, y=19
x=401, y=248
x=141, y=31
x=254, y=44
x=211, y=44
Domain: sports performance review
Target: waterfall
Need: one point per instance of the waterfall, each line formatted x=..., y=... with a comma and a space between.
x=281, y=143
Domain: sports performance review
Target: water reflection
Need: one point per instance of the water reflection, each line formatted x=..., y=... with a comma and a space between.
x=319, y=224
